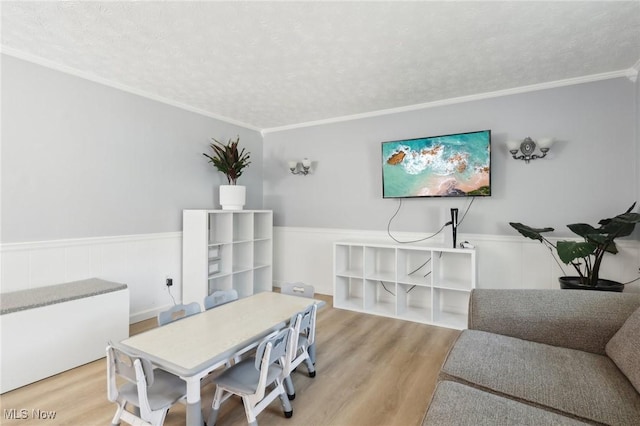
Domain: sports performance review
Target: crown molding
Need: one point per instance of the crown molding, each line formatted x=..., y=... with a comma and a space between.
x=480, y=96
x=106, y=82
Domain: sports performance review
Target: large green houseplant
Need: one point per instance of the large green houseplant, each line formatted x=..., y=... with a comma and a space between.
x=586, y=256
x=231, y=161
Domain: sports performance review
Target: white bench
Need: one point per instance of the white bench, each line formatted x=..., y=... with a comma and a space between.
x=51, y=329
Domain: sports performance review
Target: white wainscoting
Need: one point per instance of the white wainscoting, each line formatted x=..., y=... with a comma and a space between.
x=300, y=254
x=306, y=255
x=141, y=261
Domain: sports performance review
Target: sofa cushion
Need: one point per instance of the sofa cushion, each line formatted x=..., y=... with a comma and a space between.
x=456, y=404
x=624, y=349
x=581, y=384
x=583, y=320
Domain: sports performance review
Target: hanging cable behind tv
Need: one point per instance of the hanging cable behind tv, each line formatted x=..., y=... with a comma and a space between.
x=457, y=224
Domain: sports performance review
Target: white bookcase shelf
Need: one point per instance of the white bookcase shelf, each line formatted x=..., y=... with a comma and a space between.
x=426, y=284
x=224, y=249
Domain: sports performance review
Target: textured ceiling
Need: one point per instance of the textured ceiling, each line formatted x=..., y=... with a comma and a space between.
x=274, y=64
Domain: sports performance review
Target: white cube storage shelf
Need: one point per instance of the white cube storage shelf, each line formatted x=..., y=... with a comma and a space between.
x=223, y=250
x=424, y=284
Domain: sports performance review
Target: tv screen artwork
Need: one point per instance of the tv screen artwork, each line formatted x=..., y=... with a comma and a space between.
x=455, y=165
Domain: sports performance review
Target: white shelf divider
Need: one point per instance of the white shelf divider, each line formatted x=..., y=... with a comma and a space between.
x=225, y=250
x=426, y=284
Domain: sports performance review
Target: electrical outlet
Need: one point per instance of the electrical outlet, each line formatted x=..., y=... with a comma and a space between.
x=169, y=282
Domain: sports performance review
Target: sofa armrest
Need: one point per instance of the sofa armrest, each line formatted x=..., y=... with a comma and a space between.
x=575, y=319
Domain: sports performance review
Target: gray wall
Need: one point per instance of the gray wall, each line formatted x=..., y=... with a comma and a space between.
x=637, y=119
x=590, y=173
x=80, y=159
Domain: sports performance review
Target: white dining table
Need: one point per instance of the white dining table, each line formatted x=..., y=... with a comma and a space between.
x=194, y=346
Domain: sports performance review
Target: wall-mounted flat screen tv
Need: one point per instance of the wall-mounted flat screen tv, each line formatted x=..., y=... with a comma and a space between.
x=457, y=165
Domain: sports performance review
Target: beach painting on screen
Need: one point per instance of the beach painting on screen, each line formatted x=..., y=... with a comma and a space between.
x=455, y=165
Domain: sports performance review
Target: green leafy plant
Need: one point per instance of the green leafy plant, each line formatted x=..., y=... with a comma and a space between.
x=586, y=256
x=228, y=160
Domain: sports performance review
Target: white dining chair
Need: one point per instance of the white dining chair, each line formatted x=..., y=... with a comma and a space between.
x=151, y=391
x=220, y=297
x=298, y=289
x=177, y=312
x=304, y=330
x=251, y=378
x=302, y=290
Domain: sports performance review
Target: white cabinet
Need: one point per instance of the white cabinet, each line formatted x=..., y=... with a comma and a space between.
x=412, y=282
x=223, y=249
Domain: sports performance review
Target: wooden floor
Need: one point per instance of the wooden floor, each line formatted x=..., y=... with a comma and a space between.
x=370, y=371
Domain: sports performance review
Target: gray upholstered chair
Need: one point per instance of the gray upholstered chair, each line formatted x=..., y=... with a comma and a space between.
x=151, y=391
x=177, y=312
x=251, y=377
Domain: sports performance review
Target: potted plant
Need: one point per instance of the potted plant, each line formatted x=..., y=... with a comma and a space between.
x=586, y=256
x=230, y=161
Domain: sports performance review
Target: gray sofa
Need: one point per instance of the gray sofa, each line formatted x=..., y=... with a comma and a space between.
x=543, y=357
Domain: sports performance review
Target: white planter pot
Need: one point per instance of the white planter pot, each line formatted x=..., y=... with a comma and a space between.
x=232, y=197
